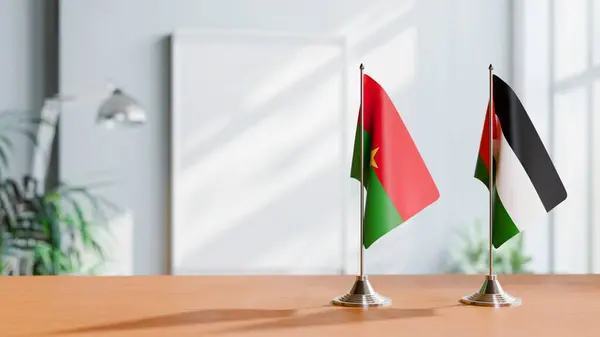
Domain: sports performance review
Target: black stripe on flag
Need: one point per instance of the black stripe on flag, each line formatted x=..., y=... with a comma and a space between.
x=527, y=145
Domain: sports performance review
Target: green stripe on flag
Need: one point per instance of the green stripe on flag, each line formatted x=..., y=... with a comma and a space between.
x=355, y=169
x=381, y=215
x=504, y=227
x=482, y=173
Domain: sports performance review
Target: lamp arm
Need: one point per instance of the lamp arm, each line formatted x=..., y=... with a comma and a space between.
x=45, y=135
x=50, y=112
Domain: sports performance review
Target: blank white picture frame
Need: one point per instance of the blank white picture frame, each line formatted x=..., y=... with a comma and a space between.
x=259, y=153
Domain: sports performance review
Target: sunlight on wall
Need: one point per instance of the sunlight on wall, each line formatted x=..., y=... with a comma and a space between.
x=245, y=165
x=308, y=60
x=373, y=18
x=277, y=75
x=272, y=174
x=310, y=122
x=248, y=197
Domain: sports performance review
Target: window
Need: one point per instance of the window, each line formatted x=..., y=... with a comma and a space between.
x=557, y=68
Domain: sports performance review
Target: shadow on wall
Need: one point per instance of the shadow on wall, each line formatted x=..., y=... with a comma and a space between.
x=261, y=170
x=286, y=209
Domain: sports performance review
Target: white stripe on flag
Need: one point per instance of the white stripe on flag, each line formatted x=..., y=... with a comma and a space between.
x=515, y=189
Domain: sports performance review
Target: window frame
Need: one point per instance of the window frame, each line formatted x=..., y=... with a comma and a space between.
x=523, y=30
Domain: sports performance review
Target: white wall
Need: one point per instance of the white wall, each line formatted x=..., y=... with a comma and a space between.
x=431, y=56
x=22, y=67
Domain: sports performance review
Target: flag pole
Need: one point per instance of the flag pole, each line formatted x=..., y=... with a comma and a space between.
x=361, y=246
x=491, y=293
x=491, y=181
x=362, y=294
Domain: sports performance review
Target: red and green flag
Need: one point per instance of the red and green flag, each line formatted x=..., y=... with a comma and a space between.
x=397, y=182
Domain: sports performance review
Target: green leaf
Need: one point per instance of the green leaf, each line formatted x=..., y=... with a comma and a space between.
x=83, y=226
x=98, y=249
x=43, y=252
x=74, y=263
x=50, y=217
x=98, y=203
x=57, y=214
x=81, y=223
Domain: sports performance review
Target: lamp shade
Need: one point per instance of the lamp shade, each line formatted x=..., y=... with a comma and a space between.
x=120, y=109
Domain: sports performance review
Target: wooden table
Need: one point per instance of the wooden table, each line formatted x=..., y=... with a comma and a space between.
x=292, y=306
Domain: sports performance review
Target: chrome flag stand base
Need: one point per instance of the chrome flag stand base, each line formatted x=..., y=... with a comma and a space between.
x=361, y=295
x=491, y=294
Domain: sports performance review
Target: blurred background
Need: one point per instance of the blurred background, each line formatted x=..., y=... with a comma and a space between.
x=241, y=165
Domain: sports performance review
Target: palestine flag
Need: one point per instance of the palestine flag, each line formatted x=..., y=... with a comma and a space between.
x=527, y=185
x=397, y=181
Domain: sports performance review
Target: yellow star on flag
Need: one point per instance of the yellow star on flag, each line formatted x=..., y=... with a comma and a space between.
x=373, y=152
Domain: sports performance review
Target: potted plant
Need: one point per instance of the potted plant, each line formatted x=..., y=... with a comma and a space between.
x=472, y=255
x=49, y=232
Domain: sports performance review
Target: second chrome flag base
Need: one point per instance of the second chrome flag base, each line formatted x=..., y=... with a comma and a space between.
x=491, y=294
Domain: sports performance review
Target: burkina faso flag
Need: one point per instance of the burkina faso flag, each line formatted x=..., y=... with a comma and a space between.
x=397, y=182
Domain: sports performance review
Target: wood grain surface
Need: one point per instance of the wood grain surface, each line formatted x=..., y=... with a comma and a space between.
x=263, y=306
